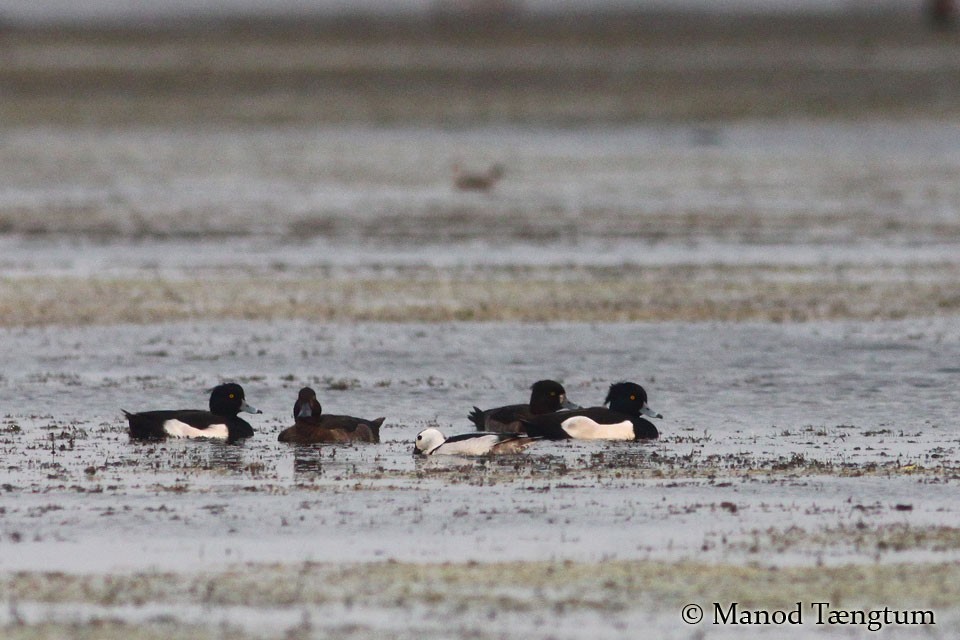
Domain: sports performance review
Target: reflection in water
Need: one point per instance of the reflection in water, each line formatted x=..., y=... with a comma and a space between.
x=450, y=462
x=616, y=455
x=307, y=461
x=191, y=455
x=226, y=456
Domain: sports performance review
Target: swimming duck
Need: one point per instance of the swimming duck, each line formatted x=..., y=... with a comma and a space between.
x=621, y=421
x=312, y=425
x=221, y=422
x=432, y=442
x=546, y=396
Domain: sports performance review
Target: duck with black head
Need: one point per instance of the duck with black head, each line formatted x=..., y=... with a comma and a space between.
x=311, y=425
x=220, y=422
x=621, y=421
x=546, y=396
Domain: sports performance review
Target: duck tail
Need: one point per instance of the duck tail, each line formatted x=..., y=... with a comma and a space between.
x=476, y=417
x=139, y=428
x=526, y=440
x=375, y=428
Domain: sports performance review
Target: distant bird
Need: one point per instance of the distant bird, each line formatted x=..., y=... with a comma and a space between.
x=621, y=421
x=476, y=181
x=221, y=422
x=546, y=396
x=432, y=442
x=312, y=425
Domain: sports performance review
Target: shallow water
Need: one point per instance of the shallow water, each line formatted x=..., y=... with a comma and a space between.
x=815, y=427
x=790, y=446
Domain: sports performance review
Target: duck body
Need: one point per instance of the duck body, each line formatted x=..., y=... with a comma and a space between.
x=220, y=422
x=506, y=419
x=595, y=423
x=432, y=442
x=311, y=425
x=332, y=428
x=546, y=396
x=621, y=421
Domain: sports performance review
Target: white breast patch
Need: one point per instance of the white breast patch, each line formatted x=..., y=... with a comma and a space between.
x=178, y=429
x=583, y=428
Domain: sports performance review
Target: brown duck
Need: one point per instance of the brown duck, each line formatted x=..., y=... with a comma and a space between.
x=312, y=425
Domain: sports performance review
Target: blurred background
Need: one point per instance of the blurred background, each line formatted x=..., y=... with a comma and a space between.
x=120, y=12
x=795, y=159
x=473, y=61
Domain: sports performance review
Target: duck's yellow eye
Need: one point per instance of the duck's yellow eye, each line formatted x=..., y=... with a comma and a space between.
x=553, y=393
x=633, y=397
x=232, y=396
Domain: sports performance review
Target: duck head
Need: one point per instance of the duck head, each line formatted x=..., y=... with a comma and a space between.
x=428, y=440
x=307, y=405
x=229, y=400
x=629, y=399
x=547, y=396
